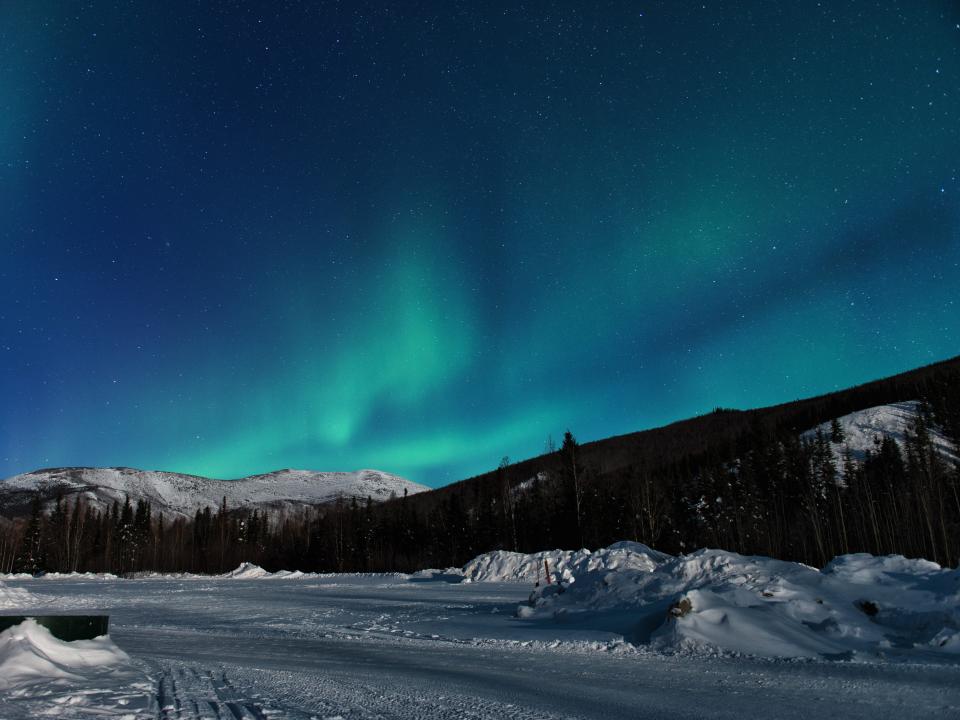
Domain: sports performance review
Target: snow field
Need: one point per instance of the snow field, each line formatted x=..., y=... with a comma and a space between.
x=431, y=646
x=721, y=631
x=16, y=598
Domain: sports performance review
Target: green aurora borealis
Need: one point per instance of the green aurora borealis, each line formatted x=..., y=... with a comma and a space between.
x=419, y=237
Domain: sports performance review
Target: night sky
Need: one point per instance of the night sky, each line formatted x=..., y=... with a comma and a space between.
x=419, y=236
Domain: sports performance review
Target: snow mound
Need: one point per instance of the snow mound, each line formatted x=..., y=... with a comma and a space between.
x=79, y=576
x=449, y=575
x=246, y=571
x=566, y=565
x=30, y=656
x=249, y=571
x=288, y=575
x=16, y=598
x=863, y=429
x=60, y=576
x=710, y=600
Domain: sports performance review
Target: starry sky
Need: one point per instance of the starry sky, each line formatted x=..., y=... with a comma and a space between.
x=420, y=236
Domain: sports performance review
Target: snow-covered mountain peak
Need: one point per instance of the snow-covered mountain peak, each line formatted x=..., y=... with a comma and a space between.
x=176, y=494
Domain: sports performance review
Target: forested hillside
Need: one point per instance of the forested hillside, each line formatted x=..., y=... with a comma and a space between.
x=741, y=480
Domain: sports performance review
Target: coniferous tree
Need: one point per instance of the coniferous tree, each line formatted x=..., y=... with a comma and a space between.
x=56, y=536
x=837, y=435
x=31, y=558
x=573, y=471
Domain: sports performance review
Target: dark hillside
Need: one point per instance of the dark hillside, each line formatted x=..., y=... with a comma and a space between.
x=735, y=479
x=718, y=432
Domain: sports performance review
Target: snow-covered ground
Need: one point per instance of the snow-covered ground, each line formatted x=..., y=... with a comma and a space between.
x=14, y=597
x=180, y=495
x=863, y=429
x=430, y=645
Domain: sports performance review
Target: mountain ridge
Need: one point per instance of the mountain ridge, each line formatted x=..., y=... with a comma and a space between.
x=182, y=494
x=707, y=433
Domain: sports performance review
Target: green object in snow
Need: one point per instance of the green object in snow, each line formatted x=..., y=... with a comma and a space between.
x=63, y=627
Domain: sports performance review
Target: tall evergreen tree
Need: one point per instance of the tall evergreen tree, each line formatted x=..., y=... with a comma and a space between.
x=31, y=558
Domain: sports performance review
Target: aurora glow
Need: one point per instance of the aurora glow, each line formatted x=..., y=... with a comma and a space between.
x=421, y=236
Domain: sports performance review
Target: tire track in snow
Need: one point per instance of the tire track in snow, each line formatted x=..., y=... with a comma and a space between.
x=193, y=692
x=184, y=692
x=341, y=696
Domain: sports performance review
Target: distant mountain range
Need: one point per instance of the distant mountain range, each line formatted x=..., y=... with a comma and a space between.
x=177, y=495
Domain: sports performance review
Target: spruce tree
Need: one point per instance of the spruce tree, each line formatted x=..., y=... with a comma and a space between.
x=31, y=557
x=836, y=432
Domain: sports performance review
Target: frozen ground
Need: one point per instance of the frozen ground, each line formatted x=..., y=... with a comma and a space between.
x=425, y=647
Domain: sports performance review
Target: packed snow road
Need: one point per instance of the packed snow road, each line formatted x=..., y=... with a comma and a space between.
x=399, y=647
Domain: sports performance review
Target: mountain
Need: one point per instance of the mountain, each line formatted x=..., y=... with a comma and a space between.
x=749, y=480
x=178, y=495
x=720, y=434
x=863, y=430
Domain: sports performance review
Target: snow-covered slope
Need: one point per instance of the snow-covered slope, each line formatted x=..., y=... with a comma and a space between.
x=182, y=495
x=863, y=428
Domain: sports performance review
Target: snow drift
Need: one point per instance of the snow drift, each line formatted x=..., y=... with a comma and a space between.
x=712, y=600
x=246, y=571
x=31, y=656
x=565, y=565
x=60, y=576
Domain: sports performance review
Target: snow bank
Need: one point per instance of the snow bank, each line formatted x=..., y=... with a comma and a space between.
x=567, y=565
x=859, y=605
x=448, y=575
x=30, y=656
x=17, y=598
x=288, y=575
x=79, y=576
x=246, y=571
x=249, y=571
x=60, y=576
